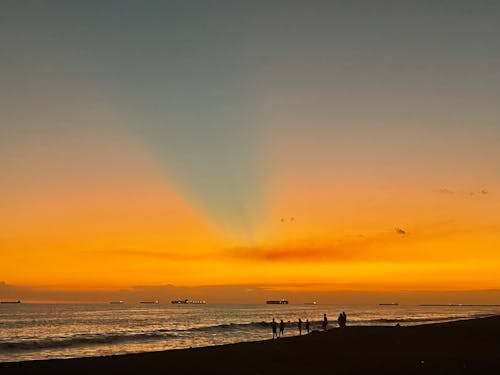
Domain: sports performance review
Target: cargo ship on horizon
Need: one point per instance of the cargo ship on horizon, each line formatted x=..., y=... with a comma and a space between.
x=187, y=302
x=277, y=302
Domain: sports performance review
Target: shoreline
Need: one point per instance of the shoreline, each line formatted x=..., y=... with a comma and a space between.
x=461, y=346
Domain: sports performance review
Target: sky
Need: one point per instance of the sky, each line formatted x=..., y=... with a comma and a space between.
x=299, y=147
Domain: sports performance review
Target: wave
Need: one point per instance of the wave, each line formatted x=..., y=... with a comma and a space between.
x=426, y=319
x=230, y=327
x=81, y=340
x=253, y=326
x=318, y=323
x=411, y=320
x=116, y=338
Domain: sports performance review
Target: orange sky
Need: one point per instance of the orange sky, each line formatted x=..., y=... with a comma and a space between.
x=307, y=148
x=102, y=214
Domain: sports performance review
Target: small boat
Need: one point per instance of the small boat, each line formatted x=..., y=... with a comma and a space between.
x=18, y=301
x=388, y=304
x=150, y=302
x=277, y=302
x=117, y=302
x=311, y=303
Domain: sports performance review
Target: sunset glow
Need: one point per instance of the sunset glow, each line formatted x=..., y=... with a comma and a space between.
x=308, y=166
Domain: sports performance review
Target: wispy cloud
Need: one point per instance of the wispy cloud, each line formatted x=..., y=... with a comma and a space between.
x=447, y=191
x=395, y=245
x=479, y=193
x=400, y=231
x=443, y=191
x=348, y=249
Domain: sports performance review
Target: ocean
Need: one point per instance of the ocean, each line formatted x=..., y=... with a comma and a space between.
x=46, y=331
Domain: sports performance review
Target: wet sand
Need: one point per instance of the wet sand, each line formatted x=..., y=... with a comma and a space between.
x=461, y=347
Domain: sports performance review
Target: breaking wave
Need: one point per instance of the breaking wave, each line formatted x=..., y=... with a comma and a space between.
x=81, y=340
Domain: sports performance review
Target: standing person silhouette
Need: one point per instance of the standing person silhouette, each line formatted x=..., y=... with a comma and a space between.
x=282, y=328
x=307, y=325
x=300, y=327
x=325, y=322
x=274, y=326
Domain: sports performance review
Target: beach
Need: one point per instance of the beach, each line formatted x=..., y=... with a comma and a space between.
x=466, y=346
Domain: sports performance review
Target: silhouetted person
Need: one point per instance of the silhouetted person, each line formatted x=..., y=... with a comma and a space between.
x=325, y=322
x=307, y=325
x=282, y=327
x=274, y=326
x=339, y=320
x=300, y=326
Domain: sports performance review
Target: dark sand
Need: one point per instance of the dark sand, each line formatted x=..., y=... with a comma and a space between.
x=468, y=346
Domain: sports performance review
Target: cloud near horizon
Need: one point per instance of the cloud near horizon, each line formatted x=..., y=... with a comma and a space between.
x=395, y=246
x=381, y=247
x=446, y=191
x=346, y=249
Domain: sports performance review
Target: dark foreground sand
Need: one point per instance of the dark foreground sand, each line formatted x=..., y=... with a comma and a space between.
x=468, y=346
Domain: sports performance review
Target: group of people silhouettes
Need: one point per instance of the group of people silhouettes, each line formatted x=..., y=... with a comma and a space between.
x=342, y=320
x=281, y=326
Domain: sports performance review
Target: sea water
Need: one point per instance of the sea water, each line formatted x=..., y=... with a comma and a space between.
x=45, y=331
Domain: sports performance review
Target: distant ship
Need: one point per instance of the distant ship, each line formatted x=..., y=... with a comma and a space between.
x=18, y=301
x=116, y=302
x=277, y=302
x=187, y=302
x=150, y=302
x=388, y=304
